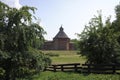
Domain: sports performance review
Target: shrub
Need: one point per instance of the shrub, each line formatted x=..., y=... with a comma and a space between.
x=19, y=65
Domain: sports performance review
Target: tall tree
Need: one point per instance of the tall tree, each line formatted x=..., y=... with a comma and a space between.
x=97, y=41
x=116, y=22
x=17, y=36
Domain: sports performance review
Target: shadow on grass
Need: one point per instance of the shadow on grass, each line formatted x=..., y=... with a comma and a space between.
x=52, y=54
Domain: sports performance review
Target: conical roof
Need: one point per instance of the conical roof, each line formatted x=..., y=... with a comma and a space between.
x=61, y=34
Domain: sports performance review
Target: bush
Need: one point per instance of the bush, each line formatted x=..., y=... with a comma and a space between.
x=20, y=65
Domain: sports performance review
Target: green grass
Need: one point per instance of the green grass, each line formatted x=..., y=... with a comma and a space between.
x=74, y=76
x=70, y=57
x=65, y=57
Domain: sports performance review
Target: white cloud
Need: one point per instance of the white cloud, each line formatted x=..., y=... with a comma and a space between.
x=12, y=3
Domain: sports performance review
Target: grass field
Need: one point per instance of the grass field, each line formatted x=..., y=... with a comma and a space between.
x=70, y=57
x=74, y=76
x=59, y=57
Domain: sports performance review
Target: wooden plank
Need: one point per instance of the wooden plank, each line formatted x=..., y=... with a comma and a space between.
x=66, y=64
x=88, y=68
x=100, y=68
x=62, y=67
x=101, y=65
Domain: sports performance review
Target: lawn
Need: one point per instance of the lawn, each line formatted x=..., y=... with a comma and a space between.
x=74, y=76
x=70, y=57
x=59, y=57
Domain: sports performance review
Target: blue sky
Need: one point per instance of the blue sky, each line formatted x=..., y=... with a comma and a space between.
x=72, y=14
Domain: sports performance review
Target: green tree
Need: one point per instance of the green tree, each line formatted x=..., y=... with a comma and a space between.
x=116, y=22
x=98, y=43
x=18, y=59
x=75, y=42
x=116, y=26
x=38, y=39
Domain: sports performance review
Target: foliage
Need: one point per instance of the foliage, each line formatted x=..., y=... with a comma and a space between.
x=116, y=23
x=75, y=42
x=98, y=43
x=116, y=26
x=17, y=37
x=36, y=32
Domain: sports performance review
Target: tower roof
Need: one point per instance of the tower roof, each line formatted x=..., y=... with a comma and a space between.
x=61, y=33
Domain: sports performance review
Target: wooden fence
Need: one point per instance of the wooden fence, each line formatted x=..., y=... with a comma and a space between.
x=65, y=67
x=101, y=68
x=86, y=68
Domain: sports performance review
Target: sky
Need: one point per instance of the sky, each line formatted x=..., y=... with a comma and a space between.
x=73, y=15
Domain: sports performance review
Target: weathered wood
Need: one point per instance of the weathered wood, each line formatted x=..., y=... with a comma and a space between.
x=54, y=67
x=100, y=68
x=64, y=67
x=86, y=68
